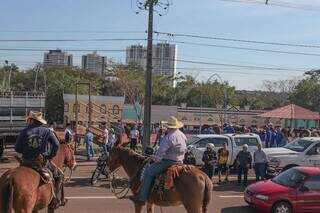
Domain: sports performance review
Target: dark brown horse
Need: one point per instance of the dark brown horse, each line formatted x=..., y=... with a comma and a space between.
x=22, y=190
x=192, y=188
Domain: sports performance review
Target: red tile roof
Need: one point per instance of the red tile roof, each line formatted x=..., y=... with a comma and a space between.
x=291, y=111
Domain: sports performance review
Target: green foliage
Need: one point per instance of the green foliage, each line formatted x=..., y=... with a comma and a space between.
x=306, y=93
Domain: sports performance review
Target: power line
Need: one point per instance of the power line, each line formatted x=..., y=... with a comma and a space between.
x=236, y=40
x=72, y=40
x=245, y=48
x=236, y=65
x=74, y=50
x=74, y=31
x=279, y=4
x=233, y=72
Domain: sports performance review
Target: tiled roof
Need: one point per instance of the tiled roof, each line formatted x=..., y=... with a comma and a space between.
x=291, y=111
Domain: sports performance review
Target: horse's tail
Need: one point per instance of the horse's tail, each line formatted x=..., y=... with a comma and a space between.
x=207, y=195
x=10, y=196
x=6, y=190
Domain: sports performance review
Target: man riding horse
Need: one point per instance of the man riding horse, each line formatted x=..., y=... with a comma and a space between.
x=38, y=145
x=171, y=151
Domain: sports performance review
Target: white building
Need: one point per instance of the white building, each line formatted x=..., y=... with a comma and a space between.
x=93, y=62
x=58, y=57
x=164, y=58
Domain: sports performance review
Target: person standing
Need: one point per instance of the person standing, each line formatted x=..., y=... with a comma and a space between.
x=269, y=136
x=170, y=152
x=106, y=140
x=223, y=155
x=189, y=158
x=260, y=163
x=279, y=137
x=209, y=158
x=134, y=136
x=112, y=139
x=68, y=134
x=88, y=139
x=244, y=161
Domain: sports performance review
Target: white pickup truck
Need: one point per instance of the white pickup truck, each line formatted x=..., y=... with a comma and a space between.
x=198, y=144
x=300, y=152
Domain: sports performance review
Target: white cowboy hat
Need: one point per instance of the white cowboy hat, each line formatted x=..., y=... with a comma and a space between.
x=173, y=123
x=210, y=145
x=36, y=116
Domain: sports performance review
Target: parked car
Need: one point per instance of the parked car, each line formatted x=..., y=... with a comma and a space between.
x=295, y=190
x=300, y=152
x=198, y=143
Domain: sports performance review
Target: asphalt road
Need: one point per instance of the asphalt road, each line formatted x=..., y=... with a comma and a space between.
x=84, y=198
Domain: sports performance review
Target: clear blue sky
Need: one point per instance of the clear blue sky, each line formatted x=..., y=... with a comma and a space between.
x=202, y=17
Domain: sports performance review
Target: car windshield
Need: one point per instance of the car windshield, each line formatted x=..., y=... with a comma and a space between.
x=290, y=178
x=192, y=139
x=299, y=145
x=249, y=141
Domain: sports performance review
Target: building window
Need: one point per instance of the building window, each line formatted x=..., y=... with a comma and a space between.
x=116, y=110
x=103, y=109
x=75, y=106
x=66, y=107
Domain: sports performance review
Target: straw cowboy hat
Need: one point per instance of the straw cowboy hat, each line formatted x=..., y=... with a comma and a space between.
x=36, y=116
x=173, y=123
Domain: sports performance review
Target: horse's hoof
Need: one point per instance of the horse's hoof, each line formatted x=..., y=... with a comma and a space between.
x=64, y=202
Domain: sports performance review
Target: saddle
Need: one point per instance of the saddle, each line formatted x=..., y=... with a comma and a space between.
x=165, y=181
x=38, y=165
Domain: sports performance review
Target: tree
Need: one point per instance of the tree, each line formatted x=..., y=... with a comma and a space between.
x=131, y=79
x=306, y=93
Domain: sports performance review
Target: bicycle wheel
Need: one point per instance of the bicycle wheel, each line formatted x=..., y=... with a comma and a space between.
x=119, y=186
x=95, y=176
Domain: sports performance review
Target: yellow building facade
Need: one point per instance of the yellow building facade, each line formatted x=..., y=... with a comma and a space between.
x=105, y=109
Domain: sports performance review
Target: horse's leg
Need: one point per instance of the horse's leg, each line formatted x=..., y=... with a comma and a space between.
x=150, y=208
x=50, y=210
x=138, y=208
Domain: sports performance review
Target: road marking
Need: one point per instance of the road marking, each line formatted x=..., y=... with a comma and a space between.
x=231, y=196
x=93, y=197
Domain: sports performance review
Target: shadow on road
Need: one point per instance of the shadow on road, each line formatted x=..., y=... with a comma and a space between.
x=238, y=209
x=80, y=182
x=230, y=186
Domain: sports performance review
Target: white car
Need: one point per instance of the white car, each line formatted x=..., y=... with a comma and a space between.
x=234, y=142
x=299, y=152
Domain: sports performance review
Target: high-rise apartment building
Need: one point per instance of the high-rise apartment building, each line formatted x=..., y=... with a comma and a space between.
x=136, y=54
x=93, y=62
x=164, y=57
x=57, y=57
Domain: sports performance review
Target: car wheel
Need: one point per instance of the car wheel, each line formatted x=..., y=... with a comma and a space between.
x=282, y=207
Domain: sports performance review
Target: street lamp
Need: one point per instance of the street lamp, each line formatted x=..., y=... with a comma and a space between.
x=224, y=99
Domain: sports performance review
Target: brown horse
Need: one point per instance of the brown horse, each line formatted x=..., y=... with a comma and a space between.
x=192, y=188
x=22, y=190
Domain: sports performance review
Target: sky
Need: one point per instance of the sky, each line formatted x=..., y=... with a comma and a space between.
x=295, y=22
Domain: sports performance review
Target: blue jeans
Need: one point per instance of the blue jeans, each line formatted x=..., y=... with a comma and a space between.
x=89, y=148
x=260, y=170
x=151, y=173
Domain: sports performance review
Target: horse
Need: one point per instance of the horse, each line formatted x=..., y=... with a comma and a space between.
x=22, y=189
x=192, y=187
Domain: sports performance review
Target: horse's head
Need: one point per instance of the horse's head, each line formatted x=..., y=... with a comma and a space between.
x=69, y=158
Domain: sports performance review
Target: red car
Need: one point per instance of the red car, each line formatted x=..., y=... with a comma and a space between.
x=295, y=190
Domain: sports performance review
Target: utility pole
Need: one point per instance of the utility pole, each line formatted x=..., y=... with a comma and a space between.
x=152, y=6
x=148, y=93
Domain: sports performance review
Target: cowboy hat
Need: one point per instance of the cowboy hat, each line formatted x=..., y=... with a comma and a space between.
x=173, y=123
x=36, y=116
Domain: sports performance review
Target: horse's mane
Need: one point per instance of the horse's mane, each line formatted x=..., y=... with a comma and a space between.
x=132, y=154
